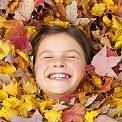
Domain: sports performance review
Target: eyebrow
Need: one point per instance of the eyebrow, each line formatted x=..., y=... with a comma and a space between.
x=72, y=50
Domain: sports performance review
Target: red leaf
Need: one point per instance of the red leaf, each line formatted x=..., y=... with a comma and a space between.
x=21, y=42
x=111, y=53
x=74, y=114
x=107, y=85
x=119, y=11
x=17, y=34
x=90, y=69
x=38, y=2
x=103, y=64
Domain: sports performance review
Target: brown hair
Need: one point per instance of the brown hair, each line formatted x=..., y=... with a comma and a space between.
x=77, y=34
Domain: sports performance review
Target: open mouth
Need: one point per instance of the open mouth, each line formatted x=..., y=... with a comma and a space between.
x=59, y=76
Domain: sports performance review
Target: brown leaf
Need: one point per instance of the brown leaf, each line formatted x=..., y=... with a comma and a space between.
x=107, y=85
x=37, y=117
x=74, y=114
x=24, y=10
x=17, y=34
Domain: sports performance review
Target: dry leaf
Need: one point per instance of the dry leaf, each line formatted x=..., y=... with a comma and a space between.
x=91, y=100
x=72, y=15
x=4, y=49
x=104, y=118
x=75, y=114
x=37, y=117
x=24, y=10
x=103, y=64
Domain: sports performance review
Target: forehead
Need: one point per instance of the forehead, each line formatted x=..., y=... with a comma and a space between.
x=59, y=42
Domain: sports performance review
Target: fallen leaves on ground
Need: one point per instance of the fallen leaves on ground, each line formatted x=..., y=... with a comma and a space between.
x=100, y=98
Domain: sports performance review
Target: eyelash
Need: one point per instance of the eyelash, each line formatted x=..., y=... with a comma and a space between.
x=67, y=57
x=48, y=57
x=71, y=57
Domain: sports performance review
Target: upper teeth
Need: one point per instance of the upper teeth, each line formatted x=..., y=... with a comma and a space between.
x=58, y=76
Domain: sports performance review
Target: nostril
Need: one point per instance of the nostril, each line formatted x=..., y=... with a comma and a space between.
x=59, y=65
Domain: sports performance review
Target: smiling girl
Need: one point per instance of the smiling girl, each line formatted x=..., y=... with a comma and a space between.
x=60, y=57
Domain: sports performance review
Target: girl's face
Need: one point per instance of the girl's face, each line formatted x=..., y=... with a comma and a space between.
x=60, y=65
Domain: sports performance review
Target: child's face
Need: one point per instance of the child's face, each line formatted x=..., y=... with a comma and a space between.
x=60, y=64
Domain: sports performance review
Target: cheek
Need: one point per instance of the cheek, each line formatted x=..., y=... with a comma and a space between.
x=78, y=66
x=40, y=67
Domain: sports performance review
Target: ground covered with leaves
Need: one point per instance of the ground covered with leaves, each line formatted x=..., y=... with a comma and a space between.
x=100, y=98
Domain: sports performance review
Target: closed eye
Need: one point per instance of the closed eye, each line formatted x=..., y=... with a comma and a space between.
x=71, y=57
x=48, y=57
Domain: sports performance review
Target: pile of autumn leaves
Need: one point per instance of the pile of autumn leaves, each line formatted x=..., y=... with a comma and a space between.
x=101, y=96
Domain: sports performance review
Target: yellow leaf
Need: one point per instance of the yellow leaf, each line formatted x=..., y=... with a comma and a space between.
x=27, y=104
x=13, y=4
x=89, y=116
x=110, y=5
x=24, y=56
x=98, y=9
x=118, y=44
x=1, y=21
x=48, y=19
x=7, y=69
x=116, y=24
x=97, y=81
x=11, y=102
x=11, y=88
x=3, y=95
x=6, y=113
x=4, y=49
x=13, y=50
x=61, y=23
x=107, y=21
x=43, y=105
x=53, y=116
x=31, y=31
x=118, y=91
x=29, y=87
x=24, y=108
x=58, y=1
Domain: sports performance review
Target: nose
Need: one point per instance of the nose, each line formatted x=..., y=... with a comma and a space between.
x=59, y=63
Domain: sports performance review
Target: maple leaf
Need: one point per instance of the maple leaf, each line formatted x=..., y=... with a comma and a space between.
x=8, y=69
x=74, y=114
x=17, y=34
x=89, y=116
x=53, y=116
x=29, y=87
x=11, y=88
x=103, y=64
x=3, y=95
x=6, y=113
x=11, y=103
x=44, y=104
x=36, y=117
x=4, y=49
x=98, y=9
x=24, y=10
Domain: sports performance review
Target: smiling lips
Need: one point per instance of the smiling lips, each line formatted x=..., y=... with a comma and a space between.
x=58, y=76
